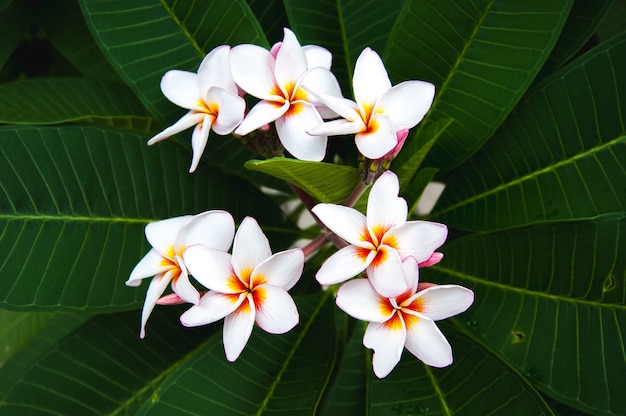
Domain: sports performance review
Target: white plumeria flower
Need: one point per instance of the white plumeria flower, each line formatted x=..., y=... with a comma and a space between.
x=211, y=96
x=281, y=79
x=249, y=286
x=379, y=242
x=380, y=110
x=169, y=239
x=406, y=320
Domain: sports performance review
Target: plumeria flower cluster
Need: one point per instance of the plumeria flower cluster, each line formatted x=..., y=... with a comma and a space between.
x=380, y=254
x=246, y=287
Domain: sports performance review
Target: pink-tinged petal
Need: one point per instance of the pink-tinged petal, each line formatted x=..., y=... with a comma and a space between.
x=387, y=340
x=291, y=62
x=385, y=209
x=183, y=287
x=342, y=106
x=150, y=265
x=443, y=301
x=344, y=264
x=213, y=306
x=212, y=269
x=253, y=70
x=276, y=311
x=358, y=299
x=275, y=48
x=292, y=130
x=407, y=103
x=316, y=56
x=199, y=139
x=214, y=71
x=231, y=108
x=425, y=341
x=237, y=329
x=379, y=138
x=346, y=222
x=213, y=229
x=386, y=273
x=424, y=285
x=181, y=88
x=264, y=112
x=337, y=127
x=250, y=248
x=435, y=258
x=162, y=234
x=190, y=119
x=281, y=269
x=370, y=80
x=155, y=290
x=411, y=273
x=171, y=299
x=419, y=239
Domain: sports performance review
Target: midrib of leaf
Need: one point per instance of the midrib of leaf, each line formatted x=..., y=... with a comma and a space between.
x=526, y=292
x=531, y=175
x=75, y=218
x=183, y=29
x=440, y=394
x=292, y=352
x=344, y=38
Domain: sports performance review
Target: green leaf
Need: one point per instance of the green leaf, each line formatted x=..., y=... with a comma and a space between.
x=477, y=383
x=481, y=57
x=62, y=100
x=551, y=300
x=272, y=17
x=74, y=202
x=416, y=188
x=103, y=367
x=13, y=24
x=63, y=23
x=613, y=24
x=559, y=156
x=16, y=328
x=325, y=182
x=275, y=374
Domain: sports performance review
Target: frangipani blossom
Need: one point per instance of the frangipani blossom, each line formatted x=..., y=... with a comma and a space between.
x=380, y=110
x=211, y=97
x=169, y=239
x=280, y=78
x=379, y=242
x=407, y=320
x=249, y=286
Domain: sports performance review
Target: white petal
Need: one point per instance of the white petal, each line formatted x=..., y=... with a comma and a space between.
x=183, y=287
x=320, y=81
x=316, y=56
x=213, y=306
x=199, y=139
x=211, y=268
x=346, y=222
x=386, y=273
x=379, y=139
x=264, y=112
x=338, y=127
x=276, y=311
x=385, y=209
x=370, y=80
x=237, y=329
x=443, y=301
x=253, y=70
x=190, y=119
x=292, y=130
x=344, y=264
x=281, y=269
x=358, y=299
x=214, y=229
x=342, y=106
x=155, y=290
x=410, y=267
x=214, y=71
x=419, y=239
x=407, y=103
x=425, y=341
x=387, y=341
x=291, y=62
x=181, y=88
x=250, y=248
x=162, y=234
x=150, y=265
x=231, y=108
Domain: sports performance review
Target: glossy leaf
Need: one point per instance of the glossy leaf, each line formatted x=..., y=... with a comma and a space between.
x=481, y=56
x=272, y=17
x=559, y=156
x=16, y=329
x=13, y=23
x=323, y=181
x=75, y=201
x=550, y=300
x=275, y=374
